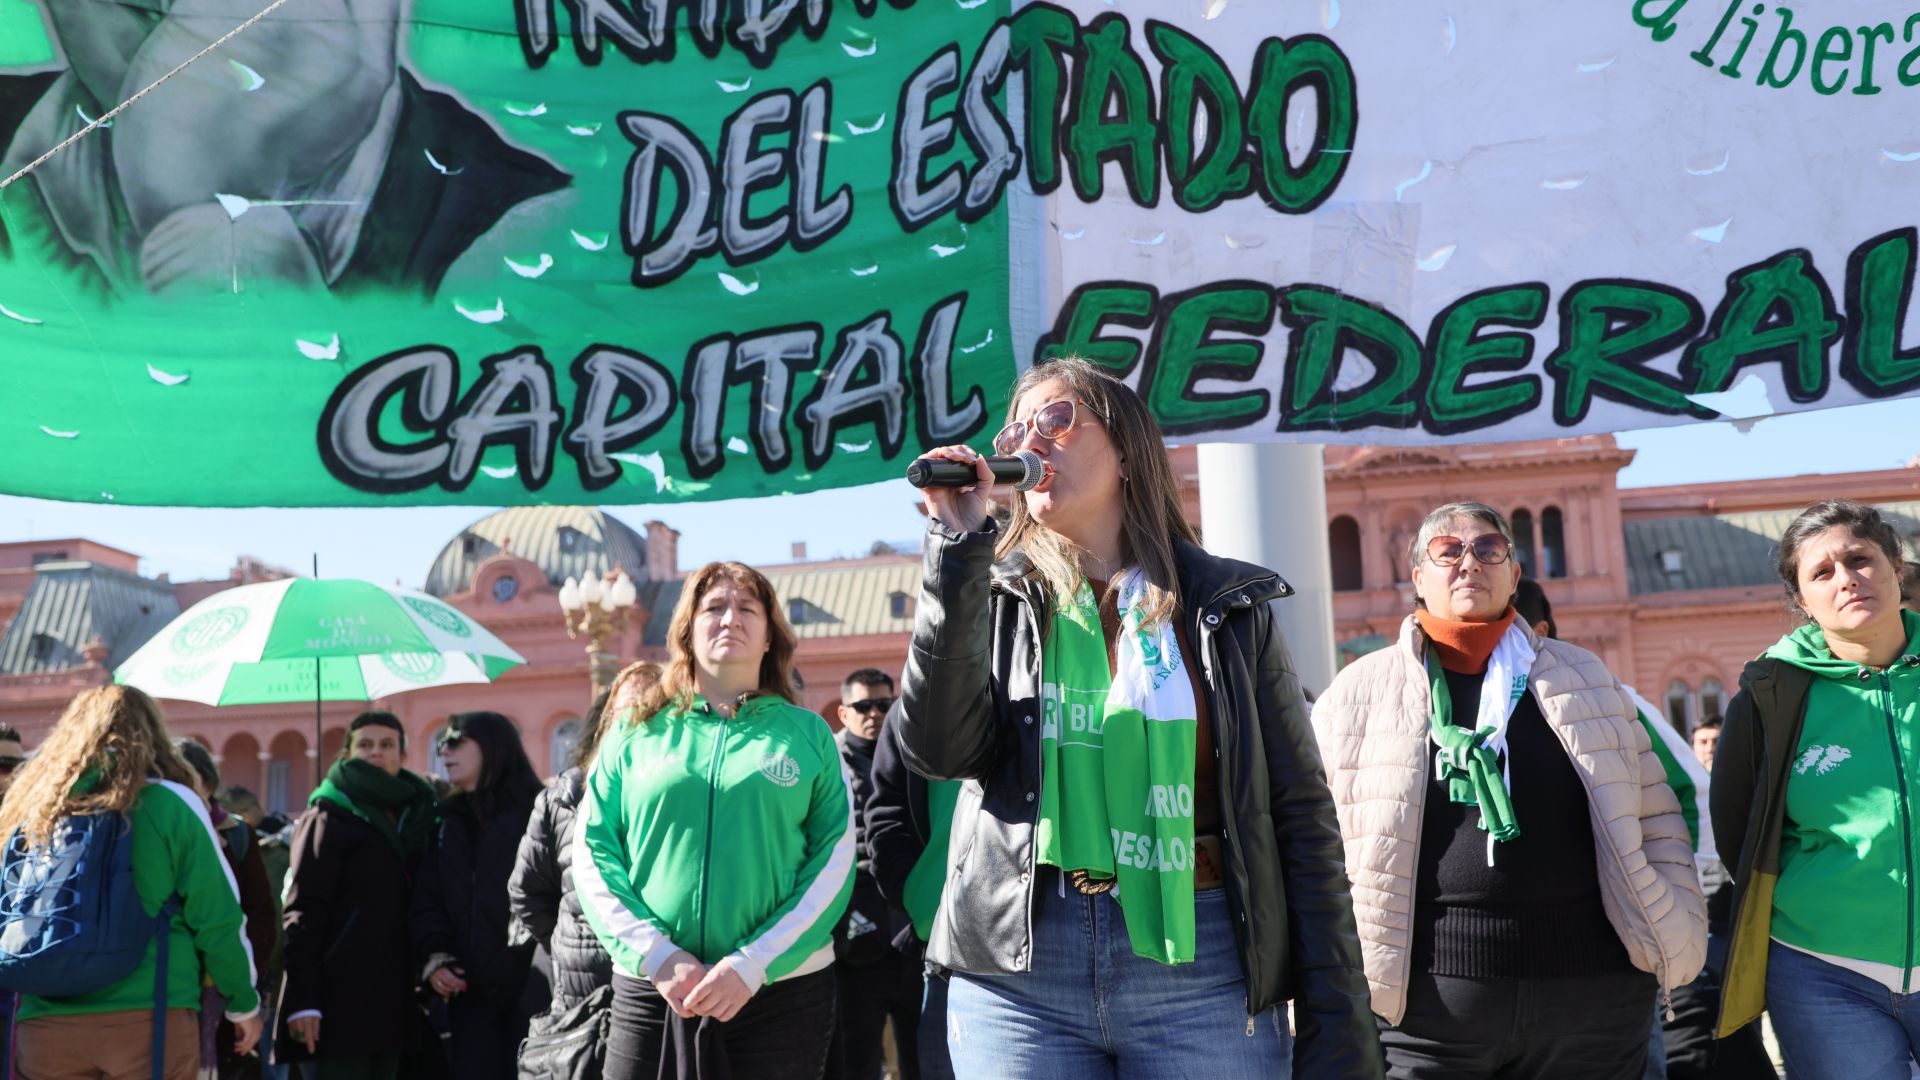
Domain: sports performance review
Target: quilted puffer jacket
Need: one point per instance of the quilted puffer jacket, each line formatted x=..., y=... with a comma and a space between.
x=545, y=907
x=1372, y=724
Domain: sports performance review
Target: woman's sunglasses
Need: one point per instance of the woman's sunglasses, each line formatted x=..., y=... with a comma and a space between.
x=1049, y=421
x=1489, y=550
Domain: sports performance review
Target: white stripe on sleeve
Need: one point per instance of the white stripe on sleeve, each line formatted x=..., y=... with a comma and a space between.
x=751, y=959
x=192, y=798
x=645, y=939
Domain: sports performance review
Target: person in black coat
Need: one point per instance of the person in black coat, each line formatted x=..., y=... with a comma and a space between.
x=346, y=998
x=540, y=892
x=879, y=982
x=907, y=819
x=459, y=918
x=238, y=844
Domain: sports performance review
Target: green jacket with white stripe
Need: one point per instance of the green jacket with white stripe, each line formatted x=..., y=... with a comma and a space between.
x=726, y=838
x=175, y=851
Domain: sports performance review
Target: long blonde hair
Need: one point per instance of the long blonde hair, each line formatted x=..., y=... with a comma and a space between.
x=678, y=686
x=118, y=731
x=1153, y=518
x=601, y=716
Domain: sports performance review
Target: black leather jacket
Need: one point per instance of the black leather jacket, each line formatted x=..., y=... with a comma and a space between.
x=971, y=711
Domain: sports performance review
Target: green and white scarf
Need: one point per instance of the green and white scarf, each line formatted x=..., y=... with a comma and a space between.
x=1473, y=760
x=1117, y=759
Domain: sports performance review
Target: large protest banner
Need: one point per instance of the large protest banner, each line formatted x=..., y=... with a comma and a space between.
x=505, y=251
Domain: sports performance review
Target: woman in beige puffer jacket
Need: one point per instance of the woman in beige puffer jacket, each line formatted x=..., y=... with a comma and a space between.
x=1522, y=876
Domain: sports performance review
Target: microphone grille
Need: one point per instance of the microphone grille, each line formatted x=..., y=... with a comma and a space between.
x=1036, y=470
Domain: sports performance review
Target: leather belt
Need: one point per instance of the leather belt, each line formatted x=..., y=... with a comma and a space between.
x=1209, y=869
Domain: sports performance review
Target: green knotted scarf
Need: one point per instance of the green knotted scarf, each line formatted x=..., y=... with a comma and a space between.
x=1117, y=761
x=402, y=808
x=1469, y=757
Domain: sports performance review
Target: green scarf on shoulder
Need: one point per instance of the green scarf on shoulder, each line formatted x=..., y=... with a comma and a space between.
x=403, y=808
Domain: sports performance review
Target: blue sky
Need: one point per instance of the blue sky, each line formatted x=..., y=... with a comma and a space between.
x=398, y=544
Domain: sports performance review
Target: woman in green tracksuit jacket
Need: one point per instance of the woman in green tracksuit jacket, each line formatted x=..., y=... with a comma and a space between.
x=714, y=850
x=1815, y=786
x=110, y=753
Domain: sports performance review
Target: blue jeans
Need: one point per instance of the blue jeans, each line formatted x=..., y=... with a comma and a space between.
x=1836, y=1024
x=1092, y=1010
x=934, y=1062
x=1657, y=1047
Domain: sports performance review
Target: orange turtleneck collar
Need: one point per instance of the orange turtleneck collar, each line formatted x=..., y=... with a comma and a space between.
x=1463, y=647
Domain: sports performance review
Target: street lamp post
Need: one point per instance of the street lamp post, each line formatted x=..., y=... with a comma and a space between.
x=598, y=608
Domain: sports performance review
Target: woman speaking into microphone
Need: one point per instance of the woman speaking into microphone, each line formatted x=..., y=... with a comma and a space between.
x=1146, y=864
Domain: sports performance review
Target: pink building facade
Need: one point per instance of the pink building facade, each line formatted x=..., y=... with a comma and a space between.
x=1673, y=587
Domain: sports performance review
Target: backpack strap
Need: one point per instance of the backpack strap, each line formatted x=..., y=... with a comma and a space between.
x=163, y=926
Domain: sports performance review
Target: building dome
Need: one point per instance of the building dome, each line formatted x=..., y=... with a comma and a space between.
x=564, y=541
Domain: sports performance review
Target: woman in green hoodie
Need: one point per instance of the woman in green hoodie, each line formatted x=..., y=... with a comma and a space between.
x=1815, y=791
x=347, y=998
x=714, y=851
x=110, y=753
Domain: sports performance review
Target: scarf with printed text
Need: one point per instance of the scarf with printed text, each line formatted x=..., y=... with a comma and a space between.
x=1117, y=764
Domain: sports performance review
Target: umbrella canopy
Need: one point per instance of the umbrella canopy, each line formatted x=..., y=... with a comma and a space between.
x=307, y=639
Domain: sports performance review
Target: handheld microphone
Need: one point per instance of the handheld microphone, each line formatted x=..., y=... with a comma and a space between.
x=1021, y=471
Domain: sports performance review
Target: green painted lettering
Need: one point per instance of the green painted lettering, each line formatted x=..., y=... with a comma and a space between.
x=1326, y=324
x=1609, y=329
x=1184, y=352
x=1661, y=24
x=1193, y=78
x=1111, y=116
x=1836, y=44
x=1868, y=34
x=1281, y=69
x=1040, y=33
x=1786, y=35
x=1879, y=285
x=1459, y=350
x=1090, y=308
x=1775, y=311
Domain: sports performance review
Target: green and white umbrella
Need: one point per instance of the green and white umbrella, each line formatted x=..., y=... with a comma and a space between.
x=307, y=639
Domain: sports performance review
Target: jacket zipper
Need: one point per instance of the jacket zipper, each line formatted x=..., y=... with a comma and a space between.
x=1209, y=664
x=713, y=790
x=1906, y=820
x=1413, y=886
x=1028, y=604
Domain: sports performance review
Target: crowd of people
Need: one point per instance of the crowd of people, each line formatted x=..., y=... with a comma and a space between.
x=1095, y=829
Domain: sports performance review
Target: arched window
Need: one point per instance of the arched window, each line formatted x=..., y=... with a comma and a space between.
x=435, y=766
x=288, y=774
x=566, y=737
x=1343, y=546
x=1711, y=697
x=1553, y=543
x=1679, y=697
x=1522, y=522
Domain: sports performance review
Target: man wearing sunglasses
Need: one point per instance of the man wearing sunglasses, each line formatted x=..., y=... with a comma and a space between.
x=12, y=756
x=877, y=980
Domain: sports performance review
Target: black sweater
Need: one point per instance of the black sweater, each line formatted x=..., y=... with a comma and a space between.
x=1537, y=911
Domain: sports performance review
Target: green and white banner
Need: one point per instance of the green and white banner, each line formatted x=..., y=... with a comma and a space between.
x=508, y=251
